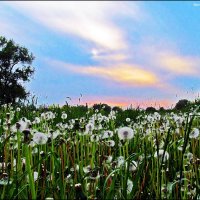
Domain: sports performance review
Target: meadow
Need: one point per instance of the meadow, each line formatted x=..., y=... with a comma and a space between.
x=84, y=153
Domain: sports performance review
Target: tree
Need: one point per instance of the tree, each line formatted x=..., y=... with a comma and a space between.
x=15, y=69
x=103, y=107
x=162, y=109
x=117, y=108
x=150, y=109
x=181, y=104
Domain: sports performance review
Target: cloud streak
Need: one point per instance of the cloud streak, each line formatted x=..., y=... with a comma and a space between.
x=91, y=21
x=170, y=60
x=178, y=64
x=128, y=75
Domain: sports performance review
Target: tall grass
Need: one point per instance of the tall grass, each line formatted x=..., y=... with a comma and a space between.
x=72, y=160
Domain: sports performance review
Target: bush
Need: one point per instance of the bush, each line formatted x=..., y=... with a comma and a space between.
x=103, y=107
x=150, y=109
x=181, y=104
x=116, y=108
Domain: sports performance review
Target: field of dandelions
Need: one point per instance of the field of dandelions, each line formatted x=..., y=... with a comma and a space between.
x=68, y=153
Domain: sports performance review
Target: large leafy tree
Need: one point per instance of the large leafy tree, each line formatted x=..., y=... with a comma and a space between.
x=15, y=69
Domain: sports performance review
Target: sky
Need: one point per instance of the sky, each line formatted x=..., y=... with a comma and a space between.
x=117, y=52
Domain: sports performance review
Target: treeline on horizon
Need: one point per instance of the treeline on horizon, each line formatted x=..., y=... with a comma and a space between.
x=78, y=111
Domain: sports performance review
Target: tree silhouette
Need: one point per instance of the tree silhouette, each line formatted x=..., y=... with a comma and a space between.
x=15, y=69
x=103, y=106
x=181, y=104
x=150, y=109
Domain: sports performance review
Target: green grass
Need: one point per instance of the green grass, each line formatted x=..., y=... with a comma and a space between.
x=61, y=161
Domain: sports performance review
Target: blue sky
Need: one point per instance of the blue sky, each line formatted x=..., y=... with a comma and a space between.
x=120, y=53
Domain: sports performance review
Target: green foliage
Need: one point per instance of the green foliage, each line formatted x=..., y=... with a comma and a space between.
x=15, y=69
x=123, y=115
x=150, y=109
x=181, y=104
x=106, y=108
x=116, y=108
x=60, y=162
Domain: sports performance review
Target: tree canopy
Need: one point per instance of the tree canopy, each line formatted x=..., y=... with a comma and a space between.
x=15, y=69
x=181, y=104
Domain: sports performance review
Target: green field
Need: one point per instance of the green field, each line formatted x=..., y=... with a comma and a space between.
x=85, y=153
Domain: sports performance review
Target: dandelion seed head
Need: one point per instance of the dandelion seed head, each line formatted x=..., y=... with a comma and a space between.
x=64, y=116
x=109, y=159
x=40, y=138
x=107, y=134
x=36, y=120
x=35, y=176
x=125, y=133
x=110, y=143
x=120, y=161
x=133, y=166
x=89, y=128
x=189, y=156
x=87, y=169
x=94, y=138
x=195, y=133
x=129, y=186
x=160, y=155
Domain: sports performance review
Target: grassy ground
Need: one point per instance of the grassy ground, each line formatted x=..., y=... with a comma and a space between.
x=82, y=153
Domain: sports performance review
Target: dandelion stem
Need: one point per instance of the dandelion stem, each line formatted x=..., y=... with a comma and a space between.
x=30, y=173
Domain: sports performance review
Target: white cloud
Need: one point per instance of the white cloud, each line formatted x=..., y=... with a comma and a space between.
x=91, y=21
